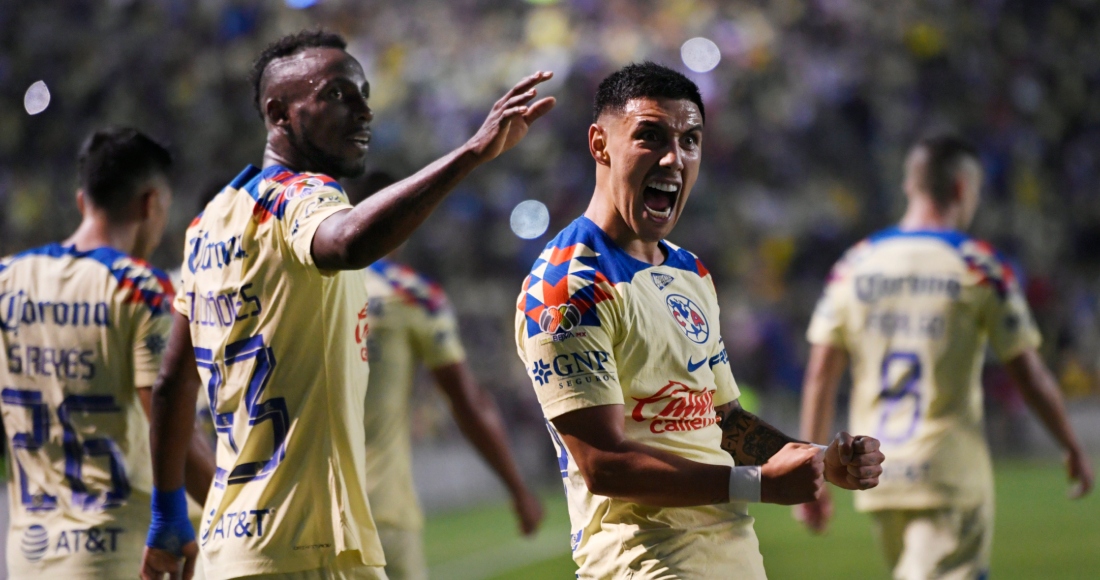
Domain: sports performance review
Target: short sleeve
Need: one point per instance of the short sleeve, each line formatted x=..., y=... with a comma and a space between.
x=570, y=369
x=184, y=294
x=310, y=200
x=153, y=325
x=827, y=321
x=726, y=389
x=435, y=336
x=1007, y=318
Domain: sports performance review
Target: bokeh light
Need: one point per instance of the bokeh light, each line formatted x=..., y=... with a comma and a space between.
x=37, y=98
x=300, y=4
x=530, y=219
x=700, y=54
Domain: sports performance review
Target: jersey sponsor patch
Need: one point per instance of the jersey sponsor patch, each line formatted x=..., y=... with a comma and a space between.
x=560, y=278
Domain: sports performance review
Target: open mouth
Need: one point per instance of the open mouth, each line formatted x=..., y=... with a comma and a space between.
x=361, y=139
x=659, y=198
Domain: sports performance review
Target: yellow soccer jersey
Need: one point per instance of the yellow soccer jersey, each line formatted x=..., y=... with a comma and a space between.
x=81, y=331
x=410, y=321
x=915, y=309
x=598, y=327
x=281, y=349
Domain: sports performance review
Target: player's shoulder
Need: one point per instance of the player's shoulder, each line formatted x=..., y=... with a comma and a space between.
x=387, y=279
x=982, y=262
x=273, y=188
x=138, y=281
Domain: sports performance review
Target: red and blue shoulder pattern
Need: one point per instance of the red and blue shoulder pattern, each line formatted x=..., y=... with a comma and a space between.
x=142, y=283
x=411, y=286
x=989, y=266
x=272, y=187
x=579, y=269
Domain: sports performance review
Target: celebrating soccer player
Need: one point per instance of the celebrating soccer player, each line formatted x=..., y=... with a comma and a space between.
x=913, y=307
x=619, y=331
x=83, y=325
x=272, y=315
x=411, y=321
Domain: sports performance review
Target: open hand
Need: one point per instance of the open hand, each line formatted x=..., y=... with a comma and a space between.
x=853, y=462
x=1080, y=471
x=528, y=510
x=815, y=514
x=793, y=475
x=155, y=563
x=510, y=118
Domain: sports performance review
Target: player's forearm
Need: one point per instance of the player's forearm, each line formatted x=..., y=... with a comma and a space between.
x=172, y=420
x=746, y=437
x=644, y=475
x=378, y=225
x=1040, y=392
x=199, y=470
x=823, y=373
x=483, y=427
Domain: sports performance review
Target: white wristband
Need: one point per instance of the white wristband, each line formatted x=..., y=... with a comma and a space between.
x=745, y=483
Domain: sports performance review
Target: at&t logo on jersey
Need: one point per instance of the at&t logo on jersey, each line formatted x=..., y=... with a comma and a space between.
x=689, y=317
x=36, y=543
x=676, y=407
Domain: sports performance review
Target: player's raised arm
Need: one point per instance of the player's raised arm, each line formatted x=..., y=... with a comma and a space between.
x=356, y=238
x=170, y=547
x=1040, y=390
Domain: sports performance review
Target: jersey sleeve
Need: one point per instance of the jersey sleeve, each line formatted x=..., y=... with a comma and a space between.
x=827, y=322
x=568, y=348
x=1006, y=316
x=184, y=292
x=310, y=199
x=726, y=389
x=153, y=324
x=435, y=335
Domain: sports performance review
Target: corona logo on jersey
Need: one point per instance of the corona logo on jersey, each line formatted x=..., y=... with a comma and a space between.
x=690, y=318
x=676, y=407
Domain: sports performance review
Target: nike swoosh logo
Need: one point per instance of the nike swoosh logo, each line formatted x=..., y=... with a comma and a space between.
x=694, y=366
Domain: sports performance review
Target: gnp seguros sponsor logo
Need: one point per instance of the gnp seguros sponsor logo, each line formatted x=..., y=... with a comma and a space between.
x=572, y=369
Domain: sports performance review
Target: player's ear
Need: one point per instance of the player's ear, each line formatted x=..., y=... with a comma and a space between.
x=146, y=198
x=80, y=201
x=276, y=112
x=597, y=144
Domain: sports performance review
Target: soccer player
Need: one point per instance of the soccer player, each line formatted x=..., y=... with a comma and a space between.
x=619, y=331
x=273, y=312
x=83, y=325
x=411, y=321
x=913, y=307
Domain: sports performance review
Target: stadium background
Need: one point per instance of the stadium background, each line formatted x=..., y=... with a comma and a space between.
x=810, y=112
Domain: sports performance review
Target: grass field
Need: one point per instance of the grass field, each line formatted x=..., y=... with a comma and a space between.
x=1039, y=535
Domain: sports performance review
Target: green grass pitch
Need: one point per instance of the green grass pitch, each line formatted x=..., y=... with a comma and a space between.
x=1039, y=534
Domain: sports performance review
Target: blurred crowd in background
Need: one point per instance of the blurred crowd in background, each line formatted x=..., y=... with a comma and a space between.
x=809, y=115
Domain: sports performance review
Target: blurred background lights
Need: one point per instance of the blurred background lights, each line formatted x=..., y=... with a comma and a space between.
x=700, y=54
x=37, y=98
x=299, y=4
x=530, y=219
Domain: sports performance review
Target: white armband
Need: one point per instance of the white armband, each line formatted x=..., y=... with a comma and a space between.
x=745, y=483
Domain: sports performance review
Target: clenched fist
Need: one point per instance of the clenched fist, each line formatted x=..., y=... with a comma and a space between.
x=853, y=462
x=793, y=475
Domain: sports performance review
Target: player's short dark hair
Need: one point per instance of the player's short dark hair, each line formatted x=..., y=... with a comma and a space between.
x=286, y=46
x=115, y=162
x=641, y=80
x=946, y=153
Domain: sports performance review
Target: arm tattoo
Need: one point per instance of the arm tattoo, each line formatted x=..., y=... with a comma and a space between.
x=748, y=439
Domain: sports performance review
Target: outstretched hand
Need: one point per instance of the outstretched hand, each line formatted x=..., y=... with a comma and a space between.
x=528, y=511
x=510, y=118
x=853, y=462
x=155, y=563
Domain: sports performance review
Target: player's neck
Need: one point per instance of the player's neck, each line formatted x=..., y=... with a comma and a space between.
x=607, y=218
x=922, y=214
x=96, y=232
